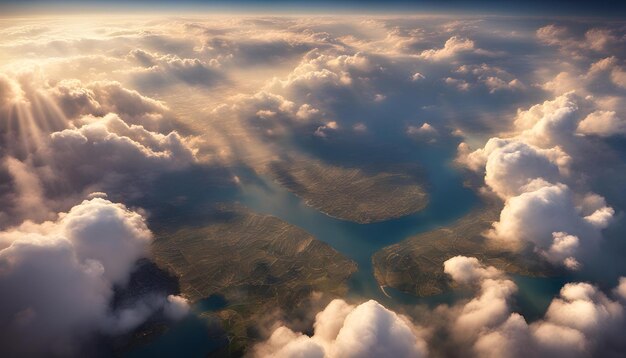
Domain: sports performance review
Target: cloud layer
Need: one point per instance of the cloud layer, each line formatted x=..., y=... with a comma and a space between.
x=536, y=108
x=343, y=330
x=61, y=275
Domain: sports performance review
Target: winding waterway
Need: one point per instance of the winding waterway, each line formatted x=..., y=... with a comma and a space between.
x=449, y=200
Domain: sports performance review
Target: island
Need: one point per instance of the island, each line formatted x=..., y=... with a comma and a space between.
x=258, y=264
x=352, y=194
x=415, y=265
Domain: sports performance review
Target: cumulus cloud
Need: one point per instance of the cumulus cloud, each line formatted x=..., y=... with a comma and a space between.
x=160, y=71
x=490, y=308
x=111, y=139
x=453, y=46
x=318, y=72
x=511, y=165
x=551, y=123
x=177, y=307
x=580, y=322
x=425, y=130
x=61, y=274
x=78, y=126
x=602, y=123
x=61, y=140
x=594, y=39
x=528, y=171
x=468, y=270
x=493, y=78
x=621, y=288
x=543, y=214
x=322, y=131
x=459, y=84
x=99, y=98
x=10, y=92
x=563, y=249
x=343, y=330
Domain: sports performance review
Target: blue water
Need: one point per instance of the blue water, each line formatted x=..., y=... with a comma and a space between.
x=193, y=336
x=449, y=200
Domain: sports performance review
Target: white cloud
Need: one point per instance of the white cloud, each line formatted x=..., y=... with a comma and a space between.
x=544, y=209
x=621, y=288
x=602, y=123
x=527, y=171
x=460, y=84
x=342, y=330
x=417, y=77
x=551, y=123
x=468, y=270
x=177, y=307
x=453, y=46
x=515, y=164
x=159, y=71
x=582, y=321
x=322, y=131
x=60, y=275
x=425, y=129
x=490, y=308
x=61, y=140
x=594, y=39
x=563, y=249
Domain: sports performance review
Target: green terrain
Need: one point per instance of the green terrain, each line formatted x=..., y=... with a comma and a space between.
x=415, y=265
x=258, y=263
x=350, y=193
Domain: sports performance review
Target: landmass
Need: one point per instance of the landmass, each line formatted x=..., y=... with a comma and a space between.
x=259, y=264
x=352, y=194
x=415, y=265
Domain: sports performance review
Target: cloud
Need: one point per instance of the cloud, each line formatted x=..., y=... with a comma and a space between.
x=545, y=215
x=602, y=123
x=563, y=249
x=177, y=307
x=460, y=84
x=594, y=39
x=262, y=50
x=99, y=98
x=528, y=171
x=468, y=270
x=343, y=330
x=78, y=125
x=417, y=76
x=491, y=307
x=319, y=71
x=550, y=123
x=166, y=70
x=453, y=46
x=618, y=76
x=494, y=78
x=61, y=274
x=621, y=288
x=61, y=140
x=28, y=198
x=425, y=130
x=10, y=92
x=511, y=165
x=324, y=130
x=582, y=321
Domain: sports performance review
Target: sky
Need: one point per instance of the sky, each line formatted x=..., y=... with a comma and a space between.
x=610, y=8
x=96, y=111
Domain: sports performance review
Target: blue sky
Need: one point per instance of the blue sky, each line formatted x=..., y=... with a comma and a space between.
x=612, y=8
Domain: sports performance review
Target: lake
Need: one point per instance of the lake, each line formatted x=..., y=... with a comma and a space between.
x=449, y=200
